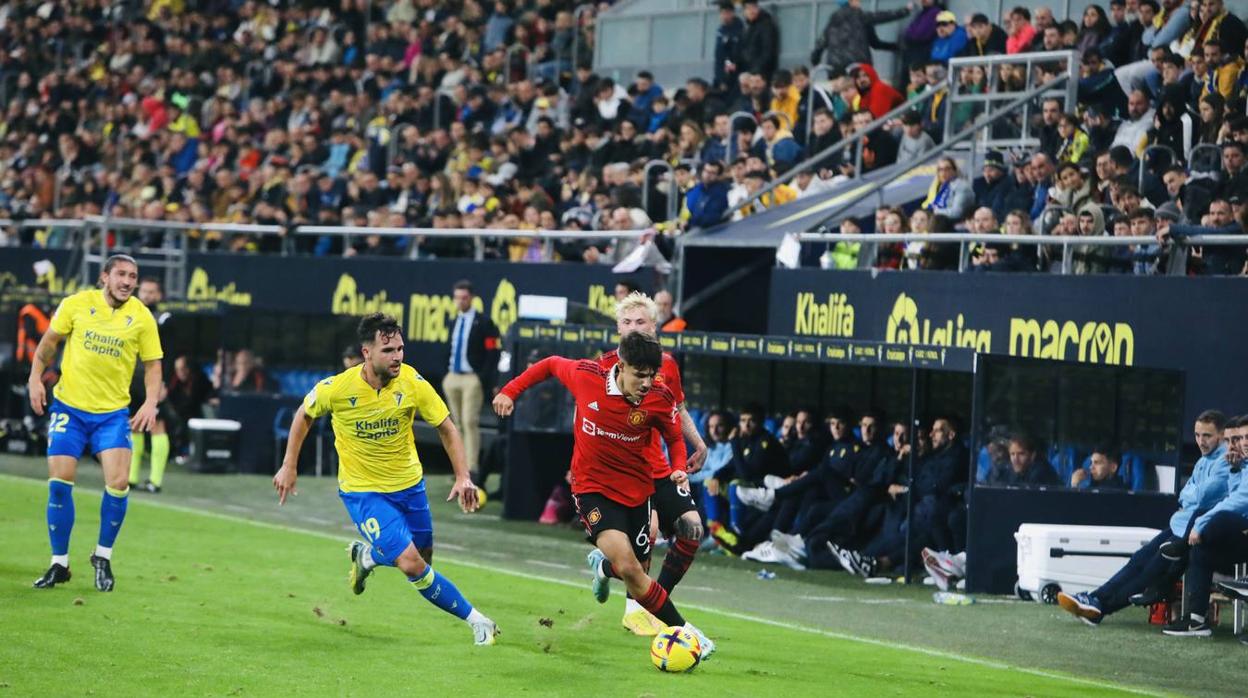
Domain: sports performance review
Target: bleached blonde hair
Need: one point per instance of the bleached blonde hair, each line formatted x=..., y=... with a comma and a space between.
x=636, y=300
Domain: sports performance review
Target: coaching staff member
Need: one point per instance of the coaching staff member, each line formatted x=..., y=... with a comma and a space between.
x=472, y=369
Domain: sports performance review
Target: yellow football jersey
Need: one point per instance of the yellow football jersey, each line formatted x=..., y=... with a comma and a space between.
x=101, y=344
x=373, y=428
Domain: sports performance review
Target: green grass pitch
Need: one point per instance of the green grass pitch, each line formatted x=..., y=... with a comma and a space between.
x=211, y=604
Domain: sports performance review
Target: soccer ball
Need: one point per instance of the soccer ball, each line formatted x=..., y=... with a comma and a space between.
x=675, y=649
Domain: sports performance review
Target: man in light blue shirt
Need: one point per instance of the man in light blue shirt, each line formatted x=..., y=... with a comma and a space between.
x=1219, y=540
x=718, y=456
x=1148, y=574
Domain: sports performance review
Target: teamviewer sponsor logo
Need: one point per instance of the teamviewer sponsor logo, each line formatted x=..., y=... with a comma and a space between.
x=594, y=430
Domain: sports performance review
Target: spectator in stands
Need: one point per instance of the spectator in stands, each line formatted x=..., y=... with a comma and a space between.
x=472, y=368
x=876, y=96
x=1101, y=473
x=949, y=194
x=1050, y=115
x=669, y=321
x=1140, y=260
x=1044, y=18
x=1215, y=260
x=950, y=40
x=1234, y=174
x=1017, y=256
x=1148, y=576
x=807, y=91
x=986, y=38
x=779, y=195
x=1224, y=68
x=1095, y=29
x=1133, y=130
x=727, y=47
x=1193, y=196
x=1219, y=23
x=1074, y=191
x=1021, y=33
x=707, y=201
x=781, y=149
x=1172, y=125
x=849, y=36
x=759, y=50
x=1217, y=540
x=1212, y=109
x=995, y=187
x=1074, y=147
x=916, y=45
x=914, y=140
x=1098, y=86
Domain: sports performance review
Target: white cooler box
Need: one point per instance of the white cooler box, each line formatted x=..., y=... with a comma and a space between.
x=1054, y=557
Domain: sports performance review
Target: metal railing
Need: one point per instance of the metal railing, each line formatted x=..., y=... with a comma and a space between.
x=1030, y=60
x=856, y=140
x=968, y=133
x=1066, y=242
x=648, y=183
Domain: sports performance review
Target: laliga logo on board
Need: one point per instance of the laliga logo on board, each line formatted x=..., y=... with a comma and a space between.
x=906, y=327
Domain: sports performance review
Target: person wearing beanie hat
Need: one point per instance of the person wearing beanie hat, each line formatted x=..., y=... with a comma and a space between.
x=994, y=188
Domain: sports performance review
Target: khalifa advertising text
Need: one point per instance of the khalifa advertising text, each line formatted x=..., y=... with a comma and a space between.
x=1155, y=322
x=416, y=292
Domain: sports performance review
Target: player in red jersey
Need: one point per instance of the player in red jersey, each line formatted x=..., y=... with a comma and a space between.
x=675, y=513
x=617, y=412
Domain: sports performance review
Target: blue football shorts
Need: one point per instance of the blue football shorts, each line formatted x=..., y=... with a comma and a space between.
x=391, y=520
x=70, y=430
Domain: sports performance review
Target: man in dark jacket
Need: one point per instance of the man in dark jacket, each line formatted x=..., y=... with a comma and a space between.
x=994, y=188
x=708, y=200
x=727, y=43
x=759, y=51
x=850, y=35
x=934, y=490
x=986, y=38
x=755, y=452
x=472, y=368
x=1027, y=468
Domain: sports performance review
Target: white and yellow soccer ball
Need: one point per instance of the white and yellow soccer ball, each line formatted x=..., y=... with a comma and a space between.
x=675, y=649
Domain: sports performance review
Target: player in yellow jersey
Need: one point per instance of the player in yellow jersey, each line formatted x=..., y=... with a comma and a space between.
x=372, y=407
x=105, y=330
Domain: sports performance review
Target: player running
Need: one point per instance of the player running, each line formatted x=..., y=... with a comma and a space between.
x=674, y=511
x=617, y=411
x=373, y=406
x=106, y=329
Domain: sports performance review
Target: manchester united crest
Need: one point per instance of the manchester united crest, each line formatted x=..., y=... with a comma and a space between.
x=636, y=417
x=594, y=517
x=658, y=379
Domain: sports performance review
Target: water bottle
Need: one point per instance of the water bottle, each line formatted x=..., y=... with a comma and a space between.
x=949, y=598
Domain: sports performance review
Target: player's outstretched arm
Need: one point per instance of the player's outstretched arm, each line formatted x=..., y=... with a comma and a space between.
x=152, y=386
x=463, y=488
x=45, y=354
x=690, y=430
x=505, y=402
x=284, y=480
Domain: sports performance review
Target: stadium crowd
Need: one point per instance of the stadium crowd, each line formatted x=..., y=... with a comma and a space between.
x=477, y=115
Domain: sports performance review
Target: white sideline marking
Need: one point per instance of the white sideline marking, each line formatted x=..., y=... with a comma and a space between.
x=698, y=607
x=544, y=563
